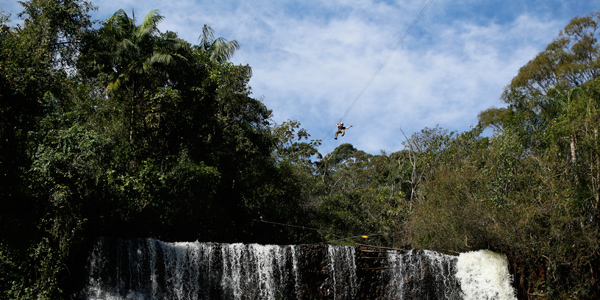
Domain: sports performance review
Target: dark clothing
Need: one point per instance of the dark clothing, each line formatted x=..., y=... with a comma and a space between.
x=341, y=129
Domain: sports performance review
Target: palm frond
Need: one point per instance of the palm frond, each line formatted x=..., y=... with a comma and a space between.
x=114, y=86
x=136, y=67
x=118, y=17
x=174, y=44
x=207, y=37
x=146, y=67
x=221, y=50
x=161, y=58
x=179, y=44
x=150, y=23
x=126, y=45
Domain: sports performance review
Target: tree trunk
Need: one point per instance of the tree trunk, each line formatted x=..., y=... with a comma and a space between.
x=596, y=180
x=573, y=145
x=573, y=148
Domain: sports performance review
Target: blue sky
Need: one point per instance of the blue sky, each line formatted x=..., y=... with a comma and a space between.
x=311, y=59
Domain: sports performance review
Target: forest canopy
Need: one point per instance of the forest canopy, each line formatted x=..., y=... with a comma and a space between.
x=118, y=129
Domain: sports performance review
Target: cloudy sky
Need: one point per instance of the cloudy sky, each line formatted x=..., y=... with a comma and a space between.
x=317, y=61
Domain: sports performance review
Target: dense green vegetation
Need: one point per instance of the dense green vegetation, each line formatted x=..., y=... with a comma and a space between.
x=118, y=129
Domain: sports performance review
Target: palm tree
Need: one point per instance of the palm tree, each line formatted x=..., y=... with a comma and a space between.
x=219, y=50
x=140, y=58
x=140, y=51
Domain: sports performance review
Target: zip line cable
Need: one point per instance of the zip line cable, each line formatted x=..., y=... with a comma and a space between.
x=338, y=238
x=414, y=23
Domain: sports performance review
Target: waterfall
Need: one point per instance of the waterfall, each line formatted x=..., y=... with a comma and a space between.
x=422, y=274
x=150, y=269
x=342, y=270
x=256, y=271
x=484, y=276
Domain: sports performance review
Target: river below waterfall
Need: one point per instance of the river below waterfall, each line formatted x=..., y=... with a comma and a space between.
x=151, y=269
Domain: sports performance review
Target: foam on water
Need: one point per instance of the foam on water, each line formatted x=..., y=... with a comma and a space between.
x=484, y=275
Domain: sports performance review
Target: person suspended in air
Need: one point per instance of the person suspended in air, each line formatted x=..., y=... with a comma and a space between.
x=341, y=129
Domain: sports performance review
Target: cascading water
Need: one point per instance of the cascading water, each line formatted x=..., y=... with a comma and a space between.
x=257, y=271
x=484, y=276
x=151, y=269
x=342, y=270
x=422, y=274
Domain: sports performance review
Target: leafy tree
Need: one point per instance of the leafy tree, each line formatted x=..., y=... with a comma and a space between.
x=567, y=62
x=289, y=146
x=136, y=59
x=128, y=131
x=551, y=111
x=362, y=197
x=37, y=59
x=527, y=191
x=147, y=136
x=425, y=151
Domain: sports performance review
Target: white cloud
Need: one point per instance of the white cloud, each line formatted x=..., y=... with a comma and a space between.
x=311, y=59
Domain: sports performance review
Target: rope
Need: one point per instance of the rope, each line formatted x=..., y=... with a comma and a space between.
x=338, y=238
x=414, y=23
x=296, y=226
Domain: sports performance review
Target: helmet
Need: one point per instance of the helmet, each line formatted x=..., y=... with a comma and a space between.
x=341, y=123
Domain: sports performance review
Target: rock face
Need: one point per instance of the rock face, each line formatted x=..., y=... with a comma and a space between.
x=151, y=269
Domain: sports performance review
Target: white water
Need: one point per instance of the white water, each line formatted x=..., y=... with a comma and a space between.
x=150, y=269
x=342, y=268
x=410, y=270
x=256, y=271
x=484, y=275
